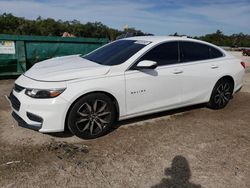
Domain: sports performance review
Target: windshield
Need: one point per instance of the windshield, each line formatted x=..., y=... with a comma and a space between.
x=116, y=53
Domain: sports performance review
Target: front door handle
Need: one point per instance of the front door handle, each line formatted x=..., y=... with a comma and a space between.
x=214, y=66
x=178, y=71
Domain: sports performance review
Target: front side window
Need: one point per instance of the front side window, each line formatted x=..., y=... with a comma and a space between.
x=163, y=54
x=116, y=53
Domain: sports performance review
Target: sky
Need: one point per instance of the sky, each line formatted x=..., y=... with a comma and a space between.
x=159, y=17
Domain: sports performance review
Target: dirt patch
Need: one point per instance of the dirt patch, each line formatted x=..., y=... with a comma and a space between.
x=192, y=146
x=64, y=150
x=215, y=145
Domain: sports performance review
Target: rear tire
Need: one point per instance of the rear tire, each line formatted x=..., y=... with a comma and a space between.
x=91, y=116
x=221, y=94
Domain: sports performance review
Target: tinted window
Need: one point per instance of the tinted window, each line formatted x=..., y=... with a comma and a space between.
x=214, y=53
x=116, y=53
x=191, y=51
x=164, y=54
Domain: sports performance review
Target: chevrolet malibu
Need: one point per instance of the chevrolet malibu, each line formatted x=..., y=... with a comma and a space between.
x=124, y=79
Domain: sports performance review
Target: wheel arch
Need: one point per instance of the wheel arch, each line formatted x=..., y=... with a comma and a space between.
x=114, y=100
x=213, y=105
x=229, y=77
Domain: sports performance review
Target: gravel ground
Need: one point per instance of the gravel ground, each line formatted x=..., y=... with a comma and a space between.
x=189, y=147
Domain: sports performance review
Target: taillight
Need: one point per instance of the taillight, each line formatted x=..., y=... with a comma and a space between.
x=243, y=64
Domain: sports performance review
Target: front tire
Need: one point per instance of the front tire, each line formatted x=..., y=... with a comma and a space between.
x=91, y=116
x=221, y=94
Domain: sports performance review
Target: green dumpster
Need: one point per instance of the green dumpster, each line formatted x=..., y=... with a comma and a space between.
x=18, y=53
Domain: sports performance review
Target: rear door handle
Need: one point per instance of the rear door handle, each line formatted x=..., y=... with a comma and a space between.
x=214, y=66
x=178, y=71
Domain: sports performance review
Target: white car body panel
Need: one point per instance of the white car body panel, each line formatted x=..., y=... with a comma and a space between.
x=194, y=77
x=137, y=92
x=143, y=94
x=65, y=68
x=113, y=85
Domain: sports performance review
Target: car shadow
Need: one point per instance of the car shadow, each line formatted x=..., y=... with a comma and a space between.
x=118, y=124
x=157, y=115
x=178, y=175
x=65, y=134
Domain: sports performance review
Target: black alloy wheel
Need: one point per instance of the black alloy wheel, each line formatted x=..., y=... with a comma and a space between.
x=91, y=116
x=221, y=95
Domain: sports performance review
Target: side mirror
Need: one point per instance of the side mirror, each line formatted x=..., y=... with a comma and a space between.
x=146, y=64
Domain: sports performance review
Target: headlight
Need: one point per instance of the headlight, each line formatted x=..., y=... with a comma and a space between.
x=43, y=93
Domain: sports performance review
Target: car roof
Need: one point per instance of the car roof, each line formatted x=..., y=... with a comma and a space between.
x=161, y=38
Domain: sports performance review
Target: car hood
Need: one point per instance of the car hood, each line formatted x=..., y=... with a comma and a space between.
x=66, y=68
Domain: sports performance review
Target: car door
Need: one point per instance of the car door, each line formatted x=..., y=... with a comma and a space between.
x=153, y=89
x=200, y=68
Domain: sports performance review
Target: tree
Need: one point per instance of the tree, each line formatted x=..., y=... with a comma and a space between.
x=234, y=40
x=10, y=24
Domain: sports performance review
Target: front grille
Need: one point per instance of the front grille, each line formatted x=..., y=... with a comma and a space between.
x=18, y=88
x=14, y=102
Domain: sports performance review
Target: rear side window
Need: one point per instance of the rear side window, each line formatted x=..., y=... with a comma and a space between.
x=214, y=53
x=192, y=51
x=163, y=54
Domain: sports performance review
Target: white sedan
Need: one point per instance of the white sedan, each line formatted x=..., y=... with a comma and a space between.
x=124, y=79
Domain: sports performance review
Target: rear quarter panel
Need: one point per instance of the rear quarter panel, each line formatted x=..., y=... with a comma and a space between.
x=231, y=66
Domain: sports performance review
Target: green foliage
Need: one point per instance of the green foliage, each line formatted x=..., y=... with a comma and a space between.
x=10, y=24
x=235, y=40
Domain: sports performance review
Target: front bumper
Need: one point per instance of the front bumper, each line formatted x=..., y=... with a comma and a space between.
x=43, y=115
x=22, y=123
